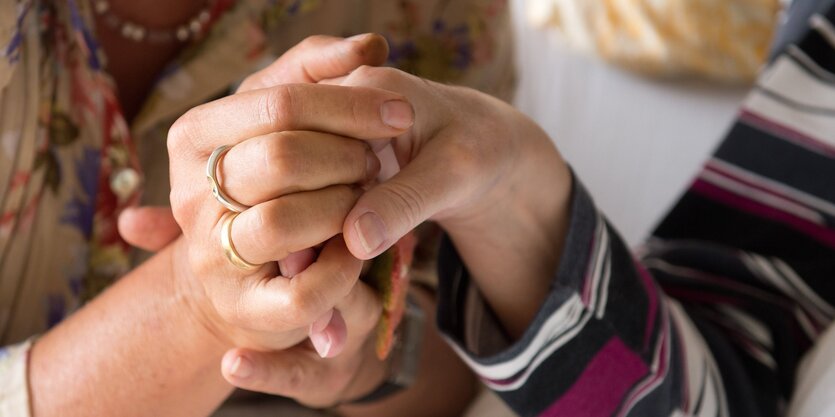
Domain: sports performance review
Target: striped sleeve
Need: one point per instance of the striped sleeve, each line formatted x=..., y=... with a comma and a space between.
x=750, y=248
x=606, y=342
x=727, y=296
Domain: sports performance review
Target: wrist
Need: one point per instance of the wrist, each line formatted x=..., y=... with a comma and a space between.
x=444, y=386
x=517, y=229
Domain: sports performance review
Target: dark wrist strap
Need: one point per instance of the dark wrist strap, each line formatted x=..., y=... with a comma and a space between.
x=404, y=358
x=387, y=388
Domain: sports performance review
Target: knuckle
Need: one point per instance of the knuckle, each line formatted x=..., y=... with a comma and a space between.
x=346, y=194
x=356, y=160
x=364, y=72
x=280, y=163
x=364, y=75
x=463, y=157
x=387, y=75
x=249, y=82
x=312, y=41
x=367, y=302
x=184, y=203
x=311, y=304
x=295, y=377
x=277, y=107
x=300, y=307
x=407, y=200
x=265, y=224
x=181, y=132
x=372, y=72
x=381, y=77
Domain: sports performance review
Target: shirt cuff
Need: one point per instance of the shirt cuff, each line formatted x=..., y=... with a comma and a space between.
x=14, y=386
x=470, y=325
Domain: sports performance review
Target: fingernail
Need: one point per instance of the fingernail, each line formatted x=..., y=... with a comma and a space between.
x=372, y=165
x=241, y=368
x=321, y=323
x=358, y=38
x=397, y=114
x=282, y=269
x=322, y=343
x=371, y=231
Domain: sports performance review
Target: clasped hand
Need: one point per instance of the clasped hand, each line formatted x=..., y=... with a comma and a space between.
x=306, y=134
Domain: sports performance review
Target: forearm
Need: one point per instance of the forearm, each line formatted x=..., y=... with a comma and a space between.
x=137, y=349
x=444, y=385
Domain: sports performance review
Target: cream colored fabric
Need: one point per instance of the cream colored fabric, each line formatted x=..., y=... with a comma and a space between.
x=14, y=395
x=488, y=404
x=813, y=395
x=720, y=39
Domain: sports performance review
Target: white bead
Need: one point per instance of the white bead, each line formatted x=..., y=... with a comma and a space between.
x=138, y=34
x=182, y=33
x=127, y=30
x=204, y=16
x=101, y=6
x=195, y=26
x=124, y=182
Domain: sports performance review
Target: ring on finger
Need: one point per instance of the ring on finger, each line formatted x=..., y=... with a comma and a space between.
x=228, y=247
x=217, y=191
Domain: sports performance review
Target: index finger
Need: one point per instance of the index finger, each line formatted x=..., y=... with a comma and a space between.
x=358, y=112
x=320, y=57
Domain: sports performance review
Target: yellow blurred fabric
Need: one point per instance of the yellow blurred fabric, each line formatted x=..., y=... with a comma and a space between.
x=725, y=40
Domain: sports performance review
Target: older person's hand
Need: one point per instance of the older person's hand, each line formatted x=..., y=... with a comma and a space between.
x=295, y=166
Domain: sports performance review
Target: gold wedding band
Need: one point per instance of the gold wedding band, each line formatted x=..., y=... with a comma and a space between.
x=229, y=247
x=217, y=191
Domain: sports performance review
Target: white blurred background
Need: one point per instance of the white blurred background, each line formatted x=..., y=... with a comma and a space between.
x=635, y=142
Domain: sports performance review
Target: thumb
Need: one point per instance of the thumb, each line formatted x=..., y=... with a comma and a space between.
x=425, y=187
x=148, y=228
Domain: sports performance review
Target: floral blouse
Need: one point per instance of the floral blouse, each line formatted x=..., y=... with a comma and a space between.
x=69, y=162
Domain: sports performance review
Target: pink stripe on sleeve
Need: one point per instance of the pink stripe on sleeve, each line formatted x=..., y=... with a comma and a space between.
x=600, y=389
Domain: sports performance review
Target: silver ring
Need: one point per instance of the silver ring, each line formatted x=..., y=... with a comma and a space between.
x=217, y=191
